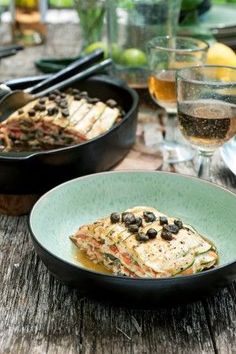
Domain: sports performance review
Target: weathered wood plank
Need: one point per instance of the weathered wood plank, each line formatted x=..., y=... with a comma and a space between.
x=116, y=330
x=221, y=316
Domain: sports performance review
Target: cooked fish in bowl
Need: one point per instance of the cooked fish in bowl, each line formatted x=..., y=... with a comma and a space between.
x=142, y=242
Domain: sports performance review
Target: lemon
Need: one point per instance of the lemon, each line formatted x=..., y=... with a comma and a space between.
x=96, y=45
x=133, y=57
x=221, y=54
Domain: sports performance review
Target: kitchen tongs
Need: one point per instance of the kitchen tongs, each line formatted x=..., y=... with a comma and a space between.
x=87, y=65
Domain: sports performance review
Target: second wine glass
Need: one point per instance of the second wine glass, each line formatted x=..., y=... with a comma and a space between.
x=165, y=56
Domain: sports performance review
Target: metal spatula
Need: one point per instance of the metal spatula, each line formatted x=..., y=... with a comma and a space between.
x=13, y=100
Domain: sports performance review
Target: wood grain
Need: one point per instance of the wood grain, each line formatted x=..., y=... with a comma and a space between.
x=38, y=315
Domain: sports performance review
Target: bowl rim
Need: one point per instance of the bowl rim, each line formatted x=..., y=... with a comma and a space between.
x=11, y=156
x=178, y=278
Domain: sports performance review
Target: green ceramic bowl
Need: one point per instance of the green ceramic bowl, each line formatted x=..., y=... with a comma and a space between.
x=208, y=208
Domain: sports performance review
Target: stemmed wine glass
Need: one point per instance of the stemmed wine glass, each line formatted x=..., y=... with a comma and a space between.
x=165, y=56
x=207, y=109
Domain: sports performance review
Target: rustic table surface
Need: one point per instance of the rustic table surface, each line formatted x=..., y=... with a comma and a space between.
x=40, y=315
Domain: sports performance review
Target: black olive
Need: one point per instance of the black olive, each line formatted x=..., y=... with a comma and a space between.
x=20, y=111
x=178, y=223
x=111, y=103
x=75, y=91
x=163, y=220
x=57, y=92
x=84, y=94
x=166, y=235
x=65, y=113
x=51, y=111
x=58, y=99
x=93, y=100
x=77, y=98
x=129, y=219
x=138, y=221
x=149, y=216
x=151, y=233
x=42, y=100
x=123, y=216
x=37, y=107
x=133, y=228
x=173, y=229
x=115, y=217
x=63, y=104
x=31, y=112
x=141, y=237
x=63, y=95
x=52, y=97
x=41, y=107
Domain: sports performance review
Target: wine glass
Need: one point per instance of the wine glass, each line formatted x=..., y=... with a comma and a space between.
x=165, y=56
x=206, y=99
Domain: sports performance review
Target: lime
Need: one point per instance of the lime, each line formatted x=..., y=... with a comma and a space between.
x=115, y=52
x=133, y=57
x=96, y=45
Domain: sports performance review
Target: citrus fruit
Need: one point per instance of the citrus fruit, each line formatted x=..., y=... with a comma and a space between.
x=96, y=45
x=221, y=54
x=133, y=57
x=115, y=52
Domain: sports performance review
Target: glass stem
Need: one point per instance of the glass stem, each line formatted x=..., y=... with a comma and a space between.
x=204, y=170
x=170, y=127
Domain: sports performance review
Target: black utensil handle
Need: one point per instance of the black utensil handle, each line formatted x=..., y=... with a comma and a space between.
x=11, y=47
x=81, y=75
x=7, y=53
x=70, y=70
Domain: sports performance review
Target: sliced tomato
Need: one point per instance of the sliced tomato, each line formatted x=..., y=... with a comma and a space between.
x=113, y=248
x=127, y=258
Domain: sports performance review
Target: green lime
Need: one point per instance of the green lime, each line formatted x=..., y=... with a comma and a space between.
x=96, y=45
x=115, y=52
x=133, y=57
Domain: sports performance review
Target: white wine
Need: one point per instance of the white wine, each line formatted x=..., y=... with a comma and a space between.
x=207, y=123
x=162, y=88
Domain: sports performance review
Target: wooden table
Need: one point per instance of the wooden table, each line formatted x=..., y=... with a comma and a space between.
x=40, y=315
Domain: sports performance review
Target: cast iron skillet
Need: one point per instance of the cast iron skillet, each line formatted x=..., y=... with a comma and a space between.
x=37, y=172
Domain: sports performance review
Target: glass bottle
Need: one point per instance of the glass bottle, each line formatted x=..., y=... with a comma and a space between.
x=28, y=17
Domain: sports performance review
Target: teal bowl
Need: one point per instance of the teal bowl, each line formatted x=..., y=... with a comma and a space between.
x=207, y=207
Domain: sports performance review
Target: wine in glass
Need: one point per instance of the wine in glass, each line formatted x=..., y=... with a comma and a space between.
x=166, y=55
x=207, y=109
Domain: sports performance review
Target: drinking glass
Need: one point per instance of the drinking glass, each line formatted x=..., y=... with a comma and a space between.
x=166, y=55
x=207, y=109
x=91, y=17
x=131, y=24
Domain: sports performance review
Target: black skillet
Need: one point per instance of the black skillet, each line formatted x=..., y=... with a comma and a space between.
x=37, y=172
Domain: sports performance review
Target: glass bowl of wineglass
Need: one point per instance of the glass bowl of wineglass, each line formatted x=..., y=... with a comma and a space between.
x=206, y=99
x=166, y=55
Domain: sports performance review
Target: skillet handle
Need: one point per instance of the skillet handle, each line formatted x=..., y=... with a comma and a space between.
x=4, y=90
x=79, y=76
x=70, y=70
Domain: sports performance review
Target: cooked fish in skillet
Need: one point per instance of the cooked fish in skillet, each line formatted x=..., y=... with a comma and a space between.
x=142, y=242
x=58, y=120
